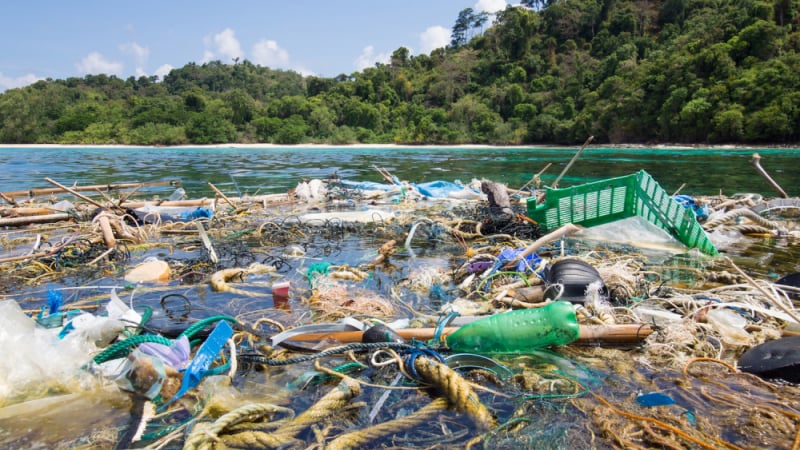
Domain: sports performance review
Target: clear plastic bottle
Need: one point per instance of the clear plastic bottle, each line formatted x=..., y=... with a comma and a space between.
x=518, y=331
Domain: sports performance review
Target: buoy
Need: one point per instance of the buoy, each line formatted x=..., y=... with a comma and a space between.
x=149, y=271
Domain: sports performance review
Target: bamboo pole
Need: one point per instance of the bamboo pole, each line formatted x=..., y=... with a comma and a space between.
x=224, y=197
x=756, y=162
x=25, y=211
x=588, y=334
x=572, y=161
x=106, y=187
x=27, y=220
x=196, y=202
x=74, y=192
x=108, y=233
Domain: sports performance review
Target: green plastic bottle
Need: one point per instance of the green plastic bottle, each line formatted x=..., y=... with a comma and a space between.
x=518, y=331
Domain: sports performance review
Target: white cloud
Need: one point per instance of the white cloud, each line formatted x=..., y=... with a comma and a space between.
x=95, y=63
x=224, y=46
x=11, y=83
x=268, y=53
x=433, y=38
x=163, y=71
x=490, y=6
x=368, y=58
x=140, y=56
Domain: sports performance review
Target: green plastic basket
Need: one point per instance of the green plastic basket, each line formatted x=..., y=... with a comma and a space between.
x=618, y=198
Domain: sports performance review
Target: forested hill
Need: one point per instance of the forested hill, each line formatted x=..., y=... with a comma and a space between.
x=548, y=72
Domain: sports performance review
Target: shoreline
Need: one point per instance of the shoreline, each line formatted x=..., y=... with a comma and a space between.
x=266, y=146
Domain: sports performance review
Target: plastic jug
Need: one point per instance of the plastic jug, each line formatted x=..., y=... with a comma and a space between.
x=518, y=331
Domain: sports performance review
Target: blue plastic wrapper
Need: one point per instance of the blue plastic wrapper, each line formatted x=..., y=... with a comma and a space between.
x=524, y=264
x=689, y=203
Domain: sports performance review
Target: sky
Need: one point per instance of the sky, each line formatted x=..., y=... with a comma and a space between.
x=57, y=39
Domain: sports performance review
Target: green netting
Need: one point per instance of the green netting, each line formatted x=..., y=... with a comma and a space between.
x=613, y=199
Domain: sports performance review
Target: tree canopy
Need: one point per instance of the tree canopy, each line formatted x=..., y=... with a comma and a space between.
x=542, y=72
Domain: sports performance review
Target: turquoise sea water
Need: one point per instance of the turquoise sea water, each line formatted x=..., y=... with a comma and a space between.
x=271, y=170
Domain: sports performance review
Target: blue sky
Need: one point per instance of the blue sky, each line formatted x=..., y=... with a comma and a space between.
x=60, y=39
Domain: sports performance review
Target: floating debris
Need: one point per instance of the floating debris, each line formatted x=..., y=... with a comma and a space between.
x=347, y=314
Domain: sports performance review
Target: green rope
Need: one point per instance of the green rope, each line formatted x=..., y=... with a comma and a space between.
x=200, y=324
x=122, y=348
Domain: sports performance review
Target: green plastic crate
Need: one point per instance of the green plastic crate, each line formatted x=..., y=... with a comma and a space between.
x=618, y=198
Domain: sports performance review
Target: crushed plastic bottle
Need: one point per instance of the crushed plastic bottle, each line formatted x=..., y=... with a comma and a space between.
x=518, y=331
x=178, y=194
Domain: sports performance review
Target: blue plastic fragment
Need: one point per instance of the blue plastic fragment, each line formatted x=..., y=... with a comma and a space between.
x=206, y=355
x=508, y=255
x=689, y=203
x=55, y=299
x=655, y=399
x=199, y=213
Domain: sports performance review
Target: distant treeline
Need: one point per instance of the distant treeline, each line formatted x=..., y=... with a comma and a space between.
x=546, y=72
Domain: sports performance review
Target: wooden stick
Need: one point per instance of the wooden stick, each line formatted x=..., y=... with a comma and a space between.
x=756, y=162
x=25, y=211
x=588, y=334
x=221, y=195
x=27, y=220
x=555, y=183
x=772, y=299
x=197, y=202
x=49, y=252
x=74, y=192
x=108, y=233
x=552, y=236
x=9, y=200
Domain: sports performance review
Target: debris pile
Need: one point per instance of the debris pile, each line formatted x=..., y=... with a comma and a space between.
x=348, y=314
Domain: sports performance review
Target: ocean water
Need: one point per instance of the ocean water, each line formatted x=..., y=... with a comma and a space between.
x=704, y=171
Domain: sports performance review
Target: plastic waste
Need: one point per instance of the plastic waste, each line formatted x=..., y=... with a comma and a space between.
x=689, y=203
x=34, y=356
x=526, y=264
x=176, y=195
x=141, y=373
x=518, y=331
x=576, y=276
x=792, y=281
x=654, y=399
x=657, y=317
x=381, y=333
x=778, y=359
x=175, y=355
x=730, y=325
x=280, y=294
x=205, y=355
x=152, y=269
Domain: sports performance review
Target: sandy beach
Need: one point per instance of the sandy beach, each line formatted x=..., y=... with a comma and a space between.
x=402, y=146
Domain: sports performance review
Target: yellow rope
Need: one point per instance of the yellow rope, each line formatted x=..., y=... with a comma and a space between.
x=204, y=435
x=326, y=406
x=456, y=389
x=358, y=439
